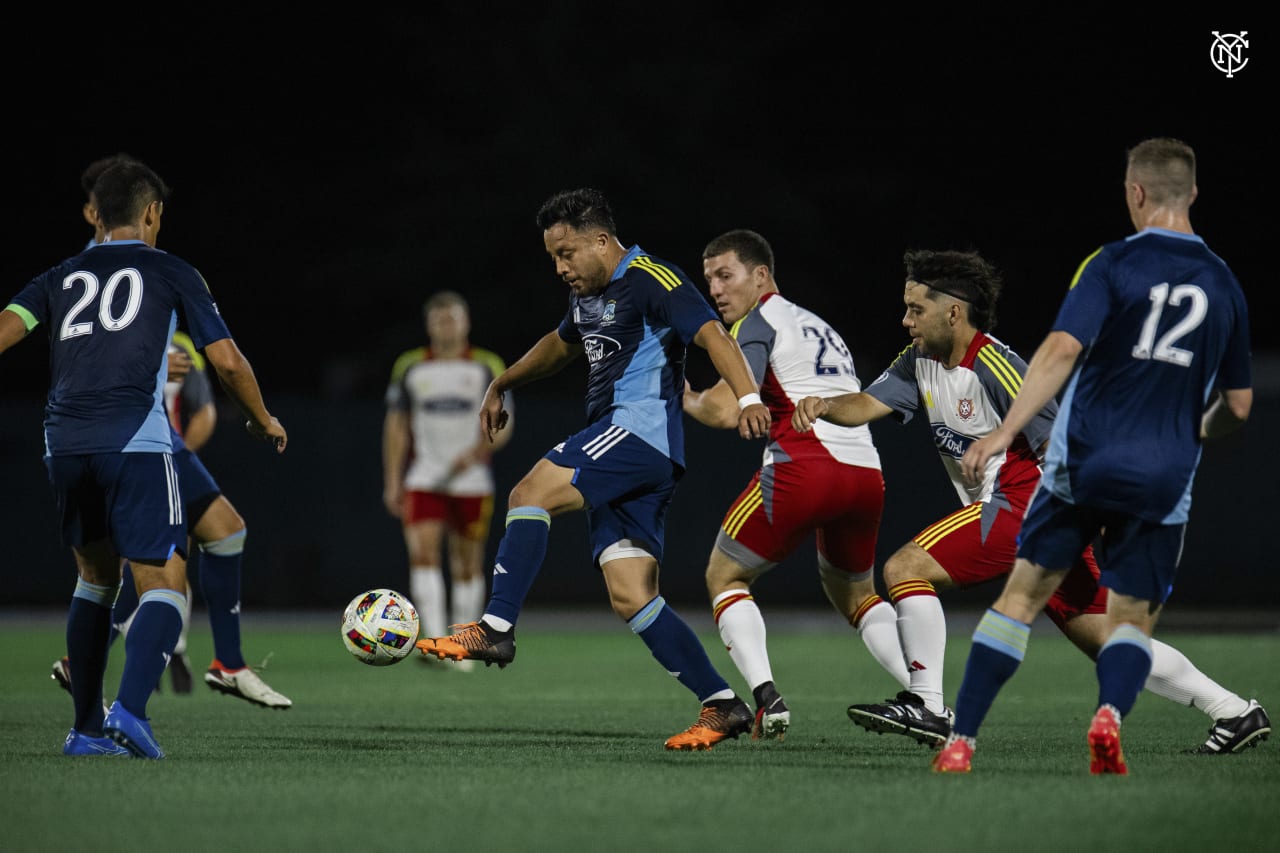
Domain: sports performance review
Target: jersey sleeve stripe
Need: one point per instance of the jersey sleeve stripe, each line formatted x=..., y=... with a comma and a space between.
x=28, y=319
x=1004, y=372
x=665, y=277
x=1076, y=278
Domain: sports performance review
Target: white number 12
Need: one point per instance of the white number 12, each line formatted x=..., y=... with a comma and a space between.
x=1164, y=350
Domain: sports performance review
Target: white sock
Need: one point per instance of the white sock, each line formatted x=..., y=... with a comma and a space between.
x=467, y=603
x=1176, y=678
x=922, y=627
x=426, y=591
x=878, y=629
x=742, y=631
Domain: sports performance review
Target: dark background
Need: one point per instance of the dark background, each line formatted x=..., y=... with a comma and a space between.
x=328, y=174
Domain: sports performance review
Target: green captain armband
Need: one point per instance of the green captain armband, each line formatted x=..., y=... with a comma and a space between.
x=28, y=319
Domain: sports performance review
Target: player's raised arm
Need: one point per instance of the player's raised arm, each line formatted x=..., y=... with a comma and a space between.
x=236, y=375
x=726, y=355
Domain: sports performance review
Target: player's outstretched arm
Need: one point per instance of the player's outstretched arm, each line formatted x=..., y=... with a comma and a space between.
x=715, y=406
x=731, y=364
x=545, y=358
x=236, y=375
x=853, y=409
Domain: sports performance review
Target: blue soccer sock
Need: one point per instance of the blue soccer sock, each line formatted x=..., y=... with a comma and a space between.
x=676, y=647
x=88, y=630
x=220, y=586
x=999, y=645
x=520, y=555
x=1123, y=664
x=126, y=603
x=149, y=645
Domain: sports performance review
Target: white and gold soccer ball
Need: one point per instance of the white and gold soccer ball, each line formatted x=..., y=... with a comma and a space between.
x=379, y=627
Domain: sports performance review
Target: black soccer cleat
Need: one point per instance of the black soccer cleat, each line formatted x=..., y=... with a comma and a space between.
x=905, y=714
x=1235, y=734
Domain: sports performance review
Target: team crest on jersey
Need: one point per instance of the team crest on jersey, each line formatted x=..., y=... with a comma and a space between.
x=609, y=310
x=599, y=347
x=964, y=408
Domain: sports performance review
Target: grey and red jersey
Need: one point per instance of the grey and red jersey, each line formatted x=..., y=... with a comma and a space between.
x=965, y=403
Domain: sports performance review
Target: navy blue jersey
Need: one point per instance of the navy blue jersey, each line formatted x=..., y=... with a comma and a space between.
x=635, y=333
x=111, y=312
x=1163, y=322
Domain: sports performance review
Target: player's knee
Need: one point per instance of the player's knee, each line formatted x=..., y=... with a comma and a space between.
x=227, y=546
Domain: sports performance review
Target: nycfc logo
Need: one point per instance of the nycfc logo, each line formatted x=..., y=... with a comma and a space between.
x=1227, y=52
x=599, y=347
x=949, y=441
x=964, y=408
x=609, y=310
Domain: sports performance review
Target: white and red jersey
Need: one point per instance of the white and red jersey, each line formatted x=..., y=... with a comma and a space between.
x=794, y=354
x=965, y=403
x=442, y=398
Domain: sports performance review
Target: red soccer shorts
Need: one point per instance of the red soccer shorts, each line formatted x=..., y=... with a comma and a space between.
x=841, y=503
x=467, y=515
x=980, y=542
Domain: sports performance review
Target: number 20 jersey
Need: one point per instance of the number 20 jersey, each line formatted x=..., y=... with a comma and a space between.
x=1163, y=321
x=111, y=312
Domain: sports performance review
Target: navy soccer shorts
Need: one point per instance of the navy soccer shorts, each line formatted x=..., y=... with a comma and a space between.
x=1137, y=558
x=133, y=499
x=626, y=483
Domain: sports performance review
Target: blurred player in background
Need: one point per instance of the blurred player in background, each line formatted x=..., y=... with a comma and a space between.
x=1152, y=344
x=825, y=481
x=218, y=529
x=633, y=316
x=436, y=463
x=111, y=312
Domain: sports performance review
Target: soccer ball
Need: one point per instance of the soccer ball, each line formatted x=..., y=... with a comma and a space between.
x=379, y=627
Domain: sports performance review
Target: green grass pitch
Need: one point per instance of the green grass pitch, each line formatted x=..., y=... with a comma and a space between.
x=562, y=751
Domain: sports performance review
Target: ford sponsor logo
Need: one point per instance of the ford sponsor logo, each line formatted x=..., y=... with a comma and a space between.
x=949, y=441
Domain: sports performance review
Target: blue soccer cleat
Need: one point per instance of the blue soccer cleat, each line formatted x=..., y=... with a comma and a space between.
x=82, y=744
x=132, y=733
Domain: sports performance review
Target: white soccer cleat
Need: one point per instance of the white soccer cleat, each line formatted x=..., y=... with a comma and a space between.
x=245, y=684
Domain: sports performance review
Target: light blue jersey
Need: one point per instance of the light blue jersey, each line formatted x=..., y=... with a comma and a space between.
x=635, y=333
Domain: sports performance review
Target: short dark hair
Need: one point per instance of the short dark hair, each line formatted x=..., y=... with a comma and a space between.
x=1166, y=168
x=89, y=176
x=961, y=275
x=124, y=190
x=580, y=209
x=750, y=247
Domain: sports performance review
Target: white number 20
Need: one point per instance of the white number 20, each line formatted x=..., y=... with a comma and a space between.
x=128, y=276
x=1164, y=350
